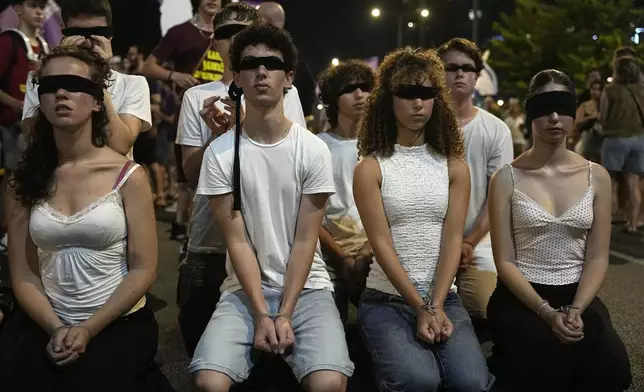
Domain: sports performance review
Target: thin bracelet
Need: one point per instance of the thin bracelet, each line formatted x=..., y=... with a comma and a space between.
x=282, y=316
x=469, y=243
x=543, y=305
x=170, y=76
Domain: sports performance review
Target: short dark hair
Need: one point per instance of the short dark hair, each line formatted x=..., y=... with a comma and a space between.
x=262, y=33
x=547, y=76
x=464, y=46
x=39, y=3
x=334, y=79
x=94, y=8
x=235, y=12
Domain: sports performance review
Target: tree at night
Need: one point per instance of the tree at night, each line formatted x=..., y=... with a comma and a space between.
x=573, y=36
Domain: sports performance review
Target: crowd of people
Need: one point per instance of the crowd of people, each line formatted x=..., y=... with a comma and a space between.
x=427, y=213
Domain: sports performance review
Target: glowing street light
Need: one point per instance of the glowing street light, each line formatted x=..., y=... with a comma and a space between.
x=424, y=13
x=410, y=25
x=335, y=62
x=375, y=12
x=500, y=102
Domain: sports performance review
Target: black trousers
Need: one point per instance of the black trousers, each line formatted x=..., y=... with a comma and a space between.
x=120, y=358
x=540, y=362
x=198, y=294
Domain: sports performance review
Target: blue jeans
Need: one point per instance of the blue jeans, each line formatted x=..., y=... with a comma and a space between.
x=404, y=363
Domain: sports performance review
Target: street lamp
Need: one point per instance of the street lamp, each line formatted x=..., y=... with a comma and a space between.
x=410, y=25
x=335, y=62
x=375, y=13
x=424, y=13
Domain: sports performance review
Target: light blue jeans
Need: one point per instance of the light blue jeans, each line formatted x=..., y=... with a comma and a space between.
x=320, y=343
x=404, y=363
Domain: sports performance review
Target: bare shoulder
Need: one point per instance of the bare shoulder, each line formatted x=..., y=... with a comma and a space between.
x=502, y=178
x=600, y=177
x=368, y=168
x=457, y=167
x=137, y=182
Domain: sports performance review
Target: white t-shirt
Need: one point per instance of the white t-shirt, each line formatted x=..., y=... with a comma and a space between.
x=341, y=218
x=273, y=179
x=130, y=94
x=488, y=147
x=192, y=131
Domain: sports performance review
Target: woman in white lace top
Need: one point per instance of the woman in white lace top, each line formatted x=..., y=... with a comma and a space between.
x=82, y=245
x=412, y=191
x=550, y=215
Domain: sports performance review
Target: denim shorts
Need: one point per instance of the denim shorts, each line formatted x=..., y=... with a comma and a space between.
x=623, y=154
x=320, y=343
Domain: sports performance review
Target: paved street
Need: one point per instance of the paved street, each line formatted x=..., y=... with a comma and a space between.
x=623, y=293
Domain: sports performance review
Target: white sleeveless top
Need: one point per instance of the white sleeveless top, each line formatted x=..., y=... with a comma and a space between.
x=415, y=193
x=83, y=257
x=551, y=250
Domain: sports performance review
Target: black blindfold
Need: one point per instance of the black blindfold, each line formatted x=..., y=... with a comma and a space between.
x=228, y=31
x=561, y=102
x=70, y=83
x=271, y=63
x=414, y=91
x=350, y=88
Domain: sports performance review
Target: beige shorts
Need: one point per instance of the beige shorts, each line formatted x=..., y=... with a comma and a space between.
x=475, y=288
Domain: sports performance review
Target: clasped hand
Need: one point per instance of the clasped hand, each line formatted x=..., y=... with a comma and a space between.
x=67, y=344
x=567, y=327
x=433, y=328
x=274, y=336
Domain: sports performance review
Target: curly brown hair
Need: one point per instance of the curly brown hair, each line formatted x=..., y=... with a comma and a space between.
x=379, y=131
x=32, y=181
x=335, y=78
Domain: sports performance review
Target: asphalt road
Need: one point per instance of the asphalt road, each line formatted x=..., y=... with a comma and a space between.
x=623, y=293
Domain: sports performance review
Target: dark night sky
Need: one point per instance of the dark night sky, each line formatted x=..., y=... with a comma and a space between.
x=324, y=29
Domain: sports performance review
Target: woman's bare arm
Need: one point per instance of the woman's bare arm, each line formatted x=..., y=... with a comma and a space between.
x=366, y=191
x=453, y=227
x=142, y=250
x=500, y=205
x=597, y=242
x=23, y=265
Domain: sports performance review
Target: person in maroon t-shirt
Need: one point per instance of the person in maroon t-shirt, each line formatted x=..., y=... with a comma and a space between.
x=16, y=60
x=188, y=47
x=15, y=63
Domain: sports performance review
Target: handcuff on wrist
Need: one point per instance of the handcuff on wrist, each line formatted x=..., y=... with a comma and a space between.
x=428, y=308
x=274, y=318
x=567, y=308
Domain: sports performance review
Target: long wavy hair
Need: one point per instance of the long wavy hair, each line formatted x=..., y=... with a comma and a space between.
x=379, y=130
x=32, y=180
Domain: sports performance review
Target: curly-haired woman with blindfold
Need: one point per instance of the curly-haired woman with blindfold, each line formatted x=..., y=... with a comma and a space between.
x=82, y=244
x=412, y=190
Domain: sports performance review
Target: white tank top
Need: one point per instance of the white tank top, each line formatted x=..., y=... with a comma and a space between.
x=551, y=250
x=415, y=193
x=83, y=257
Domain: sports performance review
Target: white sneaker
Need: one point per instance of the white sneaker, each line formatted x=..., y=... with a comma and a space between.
x=171, y=208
